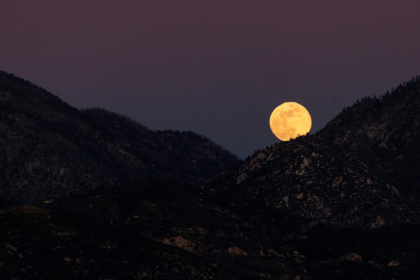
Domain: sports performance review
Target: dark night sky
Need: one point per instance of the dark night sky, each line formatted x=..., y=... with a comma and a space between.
x=217, y=68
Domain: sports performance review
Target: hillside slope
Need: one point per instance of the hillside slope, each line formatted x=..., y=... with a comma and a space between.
x=385, y=133
x=307, y=177
x=49, y=149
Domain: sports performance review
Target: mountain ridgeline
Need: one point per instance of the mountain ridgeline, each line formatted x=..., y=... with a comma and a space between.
x=49, y=149
x=102, y=197
x=361, y=170
x=308, y=178
x=385, y=133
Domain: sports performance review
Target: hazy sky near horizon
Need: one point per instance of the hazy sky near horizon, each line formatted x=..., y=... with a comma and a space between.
x=216, y=67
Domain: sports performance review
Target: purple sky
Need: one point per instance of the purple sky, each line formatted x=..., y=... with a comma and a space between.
x=217, y=68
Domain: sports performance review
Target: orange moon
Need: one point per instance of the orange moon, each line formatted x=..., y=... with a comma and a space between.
x=290, y=120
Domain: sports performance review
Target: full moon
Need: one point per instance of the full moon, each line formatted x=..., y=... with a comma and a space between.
x=290, y=120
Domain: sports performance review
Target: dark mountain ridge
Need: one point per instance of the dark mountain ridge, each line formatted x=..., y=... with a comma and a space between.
x=385, y=133
x=316, y=207
x=350, y=173
x=309, y=178
x=50, y=149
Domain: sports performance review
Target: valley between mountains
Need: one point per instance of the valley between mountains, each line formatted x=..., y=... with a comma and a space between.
x=90, y=194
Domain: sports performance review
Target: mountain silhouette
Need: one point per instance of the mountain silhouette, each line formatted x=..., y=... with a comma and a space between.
x=361, y=170
x=385, y=133
x=90, y=194
x=309, y=178
x=49, y=149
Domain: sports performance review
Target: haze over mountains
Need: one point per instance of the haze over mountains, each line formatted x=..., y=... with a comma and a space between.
x=101, y=196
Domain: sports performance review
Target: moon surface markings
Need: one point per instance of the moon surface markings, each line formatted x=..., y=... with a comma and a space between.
x=289, y=120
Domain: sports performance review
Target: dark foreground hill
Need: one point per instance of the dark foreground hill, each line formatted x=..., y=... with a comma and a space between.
x=50, y=149
x=167, y=230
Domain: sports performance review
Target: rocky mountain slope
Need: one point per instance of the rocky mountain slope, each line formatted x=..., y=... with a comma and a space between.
x=309, y=178
x=49, y=149
x=385, y=133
